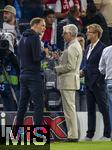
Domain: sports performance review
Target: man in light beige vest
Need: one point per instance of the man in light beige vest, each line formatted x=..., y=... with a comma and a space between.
x=69, y=78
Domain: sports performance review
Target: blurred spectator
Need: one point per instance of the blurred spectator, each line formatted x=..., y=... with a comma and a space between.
x=9, y=18
x=83, y=5
x=10, y=25
x=75, y=2
x=105, y=7
x=49, y=4
x=98, y=4
x=94, y=16
x=73, y=17
x=63, y=6
x=81, y=38
x=90, y=1
x=31, y=9
x=50, y=32
x=3, y=3
x=81, y=103
x=61, y=9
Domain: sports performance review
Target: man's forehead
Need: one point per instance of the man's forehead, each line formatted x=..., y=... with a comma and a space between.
x=42, y=22
x=6, y=12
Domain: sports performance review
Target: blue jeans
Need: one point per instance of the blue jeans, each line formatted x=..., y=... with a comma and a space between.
x=109, y=94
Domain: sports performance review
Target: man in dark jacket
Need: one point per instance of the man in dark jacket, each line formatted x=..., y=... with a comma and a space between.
x=30, y=54
x=95, y=84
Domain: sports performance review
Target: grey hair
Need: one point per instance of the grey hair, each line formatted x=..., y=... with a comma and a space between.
x=71, y=28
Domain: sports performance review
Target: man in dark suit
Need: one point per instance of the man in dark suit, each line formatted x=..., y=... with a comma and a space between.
x=95, y=83
x=31, y=54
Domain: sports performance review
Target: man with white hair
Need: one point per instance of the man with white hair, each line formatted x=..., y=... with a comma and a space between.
x=69, y=79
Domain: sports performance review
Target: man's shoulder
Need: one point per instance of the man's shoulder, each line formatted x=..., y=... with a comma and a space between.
x=30, y=32
x=76, y=45
x=100, y=45
x=107, y=49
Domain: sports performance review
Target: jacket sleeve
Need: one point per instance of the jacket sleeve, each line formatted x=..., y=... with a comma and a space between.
x=69, y=65
x=102, y=64
x=36, y=49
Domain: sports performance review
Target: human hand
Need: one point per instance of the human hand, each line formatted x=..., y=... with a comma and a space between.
x=81, y=73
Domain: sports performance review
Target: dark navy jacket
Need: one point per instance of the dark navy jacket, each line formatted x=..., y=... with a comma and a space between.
x=30, y=53
x=92, y=73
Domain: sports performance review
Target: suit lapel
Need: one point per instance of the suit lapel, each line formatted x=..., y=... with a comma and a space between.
x=85, y=54
x=93, y=51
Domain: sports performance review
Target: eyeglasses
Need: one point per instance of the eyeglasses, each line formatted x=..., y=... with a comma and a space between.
x=91, y=32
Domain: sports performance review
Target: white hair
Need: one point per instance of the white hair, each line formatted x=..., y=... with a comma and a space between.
x=71, y=28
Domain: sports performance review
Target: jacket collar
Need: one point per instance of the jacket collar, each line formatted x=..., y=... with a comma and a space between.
x=73, y=41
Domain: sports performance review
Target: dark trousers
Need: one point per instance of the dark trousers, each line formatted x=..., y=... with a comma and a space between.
x=30, y=88
x=81, y=102
x=97, y=95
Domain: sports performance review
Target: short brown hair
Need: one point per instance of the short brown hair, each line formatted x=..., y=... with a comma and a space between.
x=36, y=21
x=97, y=28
